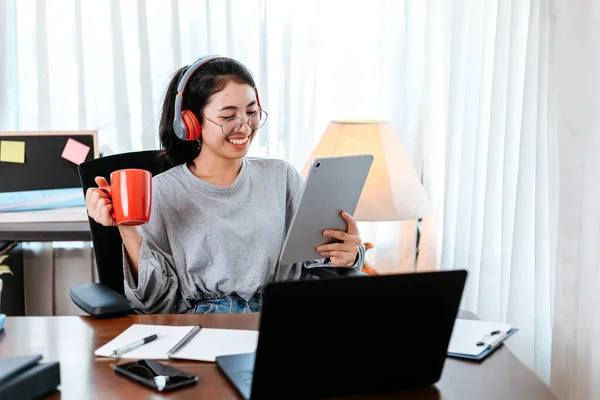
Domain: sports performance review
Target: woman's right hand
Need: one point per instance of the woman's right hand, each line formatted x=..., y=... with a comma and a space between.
x=99, y=204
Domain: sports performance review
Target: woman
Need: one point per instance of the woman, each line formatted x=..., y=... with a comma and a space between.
x=218, y=217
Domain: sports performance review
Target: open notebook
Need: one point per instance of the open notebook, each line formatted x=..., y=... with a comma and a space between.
x=206, y=345
x=476, y=339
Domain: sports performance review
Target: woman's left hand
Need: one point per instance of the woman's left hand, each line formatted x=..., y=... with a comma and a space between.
x=342, y=254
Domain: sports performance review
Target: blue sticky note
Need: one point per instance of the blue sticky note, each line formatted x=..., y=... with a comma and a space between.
x=2, y=319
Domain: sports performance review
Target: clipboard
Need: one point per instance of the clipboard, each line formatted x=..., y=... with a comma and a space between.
x=486, y=352
x=471, y=339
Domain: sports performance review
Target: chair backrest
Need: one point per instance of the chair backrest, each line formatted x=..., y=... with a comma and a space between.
x=107, y=240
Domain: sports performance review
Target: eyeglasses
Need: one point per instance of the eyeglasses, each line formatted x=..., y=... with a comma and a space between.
x=234, y=124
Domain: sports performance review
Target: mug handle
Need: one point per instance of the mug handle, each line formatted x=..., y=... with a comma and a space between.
x=108, y=191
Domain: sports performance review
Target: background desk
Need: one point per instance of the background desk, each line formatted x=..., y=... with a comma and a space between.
x=44, y=169
x=72, y=341
x=66, y=224
x=13, y=293
x=45, y=231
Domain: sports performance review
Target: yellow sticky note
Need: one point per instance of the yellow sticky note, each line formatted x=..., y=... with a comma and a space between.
x=11, y=151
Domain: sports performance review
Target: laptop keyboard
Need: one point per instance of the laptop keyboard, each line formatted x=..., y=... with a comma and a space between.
x=245, y=376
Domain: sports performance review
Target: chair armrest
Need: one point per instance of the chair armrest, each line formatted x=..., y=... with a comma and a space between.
x=100, y=301
x=334, y=272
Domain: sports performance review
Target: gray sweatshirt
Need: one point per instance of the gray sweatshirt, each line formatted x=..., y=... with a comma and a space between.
x=205, y=241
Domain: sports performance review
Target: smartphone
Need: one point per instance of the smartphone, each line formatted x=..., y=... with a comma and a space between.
x=156, y=375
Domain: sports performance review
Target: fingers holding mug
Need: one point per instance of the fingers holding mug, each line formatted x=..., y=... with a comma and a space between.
x=106, y=216
x=98, y=203
x=101, y=181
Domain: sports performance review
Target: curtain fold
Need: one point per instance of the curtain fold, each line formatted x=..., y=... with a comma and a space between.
x=575, y=355
x=120, y=83
x=79, y=61
x=4, y=31
x=44, y=109
x=148, y=141
x=489, y=167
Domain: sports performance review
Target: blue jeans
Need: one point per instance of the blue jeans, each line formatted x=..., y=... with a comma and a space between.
x=233, y=304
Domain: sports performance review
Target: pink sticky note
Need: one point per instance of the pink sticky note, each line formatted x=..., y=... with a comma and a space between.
x=75, y=152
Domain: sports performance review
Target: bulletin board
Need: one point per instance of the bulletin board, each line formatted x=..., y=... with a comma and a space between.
x=44, y=167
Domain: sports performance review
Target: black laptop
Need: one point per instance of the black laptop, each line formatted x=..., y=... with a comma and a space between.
x=350, y=336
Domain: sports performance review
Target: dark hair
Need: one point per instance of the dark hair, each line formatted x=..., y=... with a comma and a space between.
x=209, y=79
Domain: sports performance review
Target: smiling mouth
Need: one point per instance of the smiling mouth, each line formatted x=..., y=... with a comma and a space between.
x=239, y=141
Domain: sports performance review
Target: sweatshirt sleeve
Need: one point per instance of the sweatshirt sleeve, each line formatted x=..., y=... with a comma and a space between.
x=295, y=185
x=157, y=289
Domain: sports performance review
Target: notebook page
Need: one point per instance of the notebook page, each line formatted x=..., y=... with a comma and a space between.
x=210, y=343
x=467, y=333
x=155, y=350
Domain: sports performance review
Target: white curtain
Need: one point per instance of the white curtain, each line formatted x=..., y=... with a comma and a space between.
x=489, y=157
x=105, y=66
x=575, y=353
x=464, y=83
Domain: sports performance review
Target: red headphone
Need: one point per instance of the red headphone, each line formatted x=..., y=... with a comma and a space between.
x=185, y=123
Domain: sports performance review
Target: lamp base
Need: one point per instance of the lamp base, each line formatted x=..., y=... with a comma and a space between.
x=366, y=268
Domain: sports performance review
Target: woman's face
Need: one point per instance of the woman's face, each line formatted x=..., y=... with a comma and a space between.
x=235, y=100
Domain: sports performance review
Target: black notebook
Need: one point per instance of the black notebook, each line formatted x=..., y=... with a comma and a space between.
x=26, y=378
x=11, y=366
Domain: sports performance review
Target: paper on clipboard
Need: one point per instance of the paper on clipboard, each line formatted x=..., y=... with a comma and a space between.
x=467, y=333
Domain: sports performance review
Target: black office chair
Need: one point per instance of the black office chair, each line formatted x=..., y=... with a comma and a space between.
x=106, y=299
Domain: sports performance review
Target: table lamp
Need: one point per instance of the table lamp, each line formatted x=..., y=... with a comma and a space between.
x=393, y=190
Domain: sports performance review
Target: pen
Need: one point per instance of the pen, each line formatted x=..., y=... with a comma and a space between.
x=135, y=345
x=186, y=339
x=498, y=339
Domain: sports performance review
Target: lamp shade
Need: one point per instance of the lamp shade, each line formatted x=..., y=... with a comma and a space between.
x=393, y=190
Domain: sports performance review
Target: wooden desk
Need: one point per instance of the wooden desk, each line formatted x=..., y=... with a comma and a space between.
x=72, y=341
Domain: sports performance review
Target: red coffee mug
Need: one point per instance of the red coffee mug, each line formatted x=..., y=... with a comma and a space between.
x=131, y=194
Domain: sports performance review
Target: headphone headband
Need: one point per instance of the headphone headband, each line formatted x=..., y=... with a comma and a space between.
x=182, y=130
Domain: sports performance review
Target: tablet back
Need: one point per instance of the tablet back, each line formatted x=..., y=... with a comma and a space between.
x=333, y=185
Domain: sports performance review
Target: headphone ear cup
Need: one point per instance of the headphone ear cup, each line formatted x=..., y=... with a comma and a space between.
x=192, y=126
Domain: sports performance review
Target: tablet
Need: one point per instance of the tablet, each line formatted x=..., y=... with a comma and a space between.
x=333, y=185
